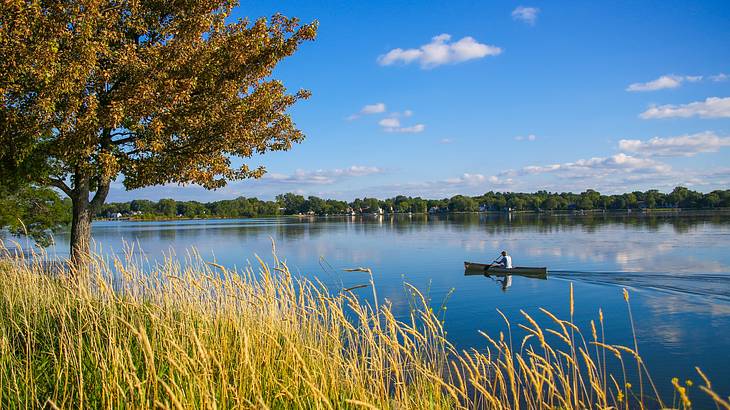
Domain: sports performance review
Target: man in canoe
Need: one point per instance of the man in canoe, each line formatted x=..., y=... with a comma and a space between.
x=505, y=261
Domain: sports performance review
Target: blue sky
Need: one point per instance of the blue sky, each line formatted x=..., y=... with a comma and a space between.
x=440, y=98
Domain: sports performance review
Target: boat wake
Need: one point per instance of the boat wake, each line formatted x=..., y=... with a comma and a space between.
x=713, y=285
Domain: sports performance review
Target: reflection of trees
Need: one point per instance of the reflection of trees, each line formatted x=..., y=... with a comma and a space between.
x=167, y=234
x=683, y=226
x=283, y=229
x=294, y=230
x=501, y=223
x=544, y=223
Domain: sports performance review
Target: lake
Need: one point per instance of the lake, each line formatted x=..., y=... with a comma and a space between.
x=676, y=268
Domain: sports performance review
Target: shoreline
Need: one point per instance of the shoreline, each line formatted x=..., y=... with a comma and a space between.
x=560, y=213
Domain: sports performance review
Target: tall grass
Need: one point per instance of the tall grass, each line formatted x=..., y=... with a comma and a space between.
x=197, y=335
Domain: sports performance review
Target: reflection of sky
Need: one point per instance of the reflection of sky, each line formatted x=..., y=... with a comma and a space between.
x=678, y=270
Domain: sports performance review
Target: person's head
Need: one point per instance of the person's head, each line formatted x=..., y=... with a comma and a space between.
x=504, y=253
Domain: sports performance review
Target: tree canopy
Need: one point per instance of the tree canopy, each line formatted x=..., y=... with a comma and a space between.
x=159, y=92
x=33, y=211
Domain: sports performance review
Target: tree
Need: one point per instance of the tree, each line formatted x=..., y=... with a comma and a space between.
x=678, y=196
x=551, y=203
x=167, y=207
x=631, y=200
x=460, y=203
x=500, y=202
x=292, y=203
x=712, y=199
x=336, y=207
x=357, y=205
x=536, y=201
x=159, y=92
x=33, y=211
x=585, y=203
x=266, y=208
x=317, y=205
x=370, y=204
x=418, y=205
x=190, y=209
x=142, y=205
x=401, y=203
x=516, y=203
x=589, y=198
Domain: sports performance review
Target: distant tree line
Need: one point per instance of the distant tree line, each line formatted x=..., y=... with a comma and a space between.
x=38, y=211
x=292, y=204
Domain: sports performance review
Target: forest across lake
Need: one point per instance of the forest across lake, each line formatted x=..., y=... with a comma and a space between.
x=292, y=204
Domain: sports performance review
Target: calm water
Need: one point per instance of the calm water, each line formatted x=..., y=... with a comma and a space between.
x=676, y=268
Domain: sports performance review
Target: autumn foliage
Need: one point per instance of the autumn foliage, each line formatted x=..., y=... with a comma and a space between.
x=159, y=92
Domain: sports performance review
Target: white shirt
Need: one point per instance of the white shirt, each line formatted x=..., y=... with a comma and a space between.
x=505, y=261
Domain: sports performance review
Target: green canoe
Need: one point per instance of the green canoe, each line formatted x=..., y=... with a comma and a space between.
x=473, y=268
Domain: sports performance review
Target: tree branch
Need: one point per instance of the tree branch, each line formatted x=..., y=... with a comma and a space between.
x=126, y=140
x=102, y=189
x=100, y=196
x=114, y=134
x=60, y=184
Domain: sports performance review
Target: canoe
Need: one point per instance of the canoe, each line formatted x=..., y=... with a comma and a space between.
x=473, y=268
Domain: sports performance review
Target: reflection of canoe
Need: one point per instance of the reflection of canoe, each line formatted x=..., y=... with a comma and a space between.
x=481, y=268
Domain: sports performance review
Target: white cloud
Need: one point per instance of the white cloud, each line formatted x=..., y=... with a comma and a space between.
x=663, y=82
x=530, y=137
x=623, y=161
x=373, y=108
x=681, y=146
x=389, y=122
x=466, y=184
x=413, y=129
x=526, y=14
x=468, y=179
x=369, y=109
x=358, y=171
x=439, y=51
x=585, y=167
x=718, y=172
x=719, y=77
x=321, y=177
x=658, y=84
x=617, y=173
x=392, y=124
x=404, y=114
x=712, y=107
x=446, y=141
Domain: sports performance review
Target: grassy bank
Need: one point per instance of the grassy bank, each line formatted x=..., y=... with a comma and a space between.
x=200, y=336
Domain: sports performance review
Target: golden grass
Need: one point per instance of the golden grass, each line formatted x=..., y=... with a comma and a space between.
x=198, y=335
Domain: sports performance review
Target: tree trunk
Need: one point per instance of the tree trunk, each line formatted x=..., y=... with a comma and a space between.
x=80, y=223
x=83, y=211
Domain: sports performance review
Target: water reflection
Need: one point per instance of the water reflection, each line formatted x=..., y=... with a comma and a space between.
x=677, y=268
x=503, y=280
x=601, y=242
x=506, y=282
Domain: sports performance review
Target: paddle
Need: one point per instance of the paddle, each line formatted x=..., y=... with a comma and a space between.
x=489, y=266
x=493, y=262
